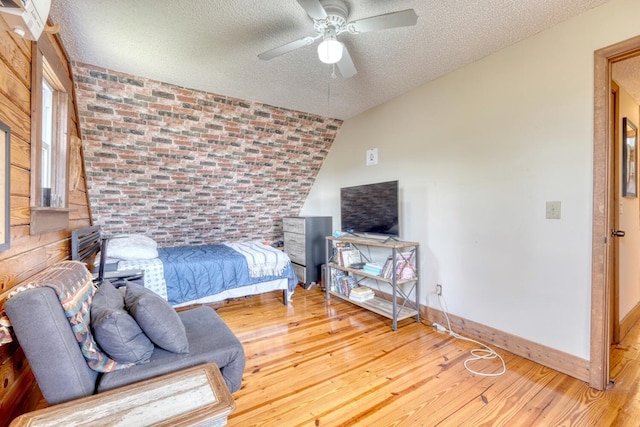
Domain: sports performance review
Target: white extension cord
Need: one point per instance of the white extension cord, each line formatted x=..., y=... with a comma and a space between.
x=484, y=353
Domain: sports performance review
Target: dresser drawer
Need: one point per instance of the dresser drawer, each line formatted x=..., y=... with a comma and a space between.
x=304, y=243
x=294, y=247
x=293, y=225
x=301, y=272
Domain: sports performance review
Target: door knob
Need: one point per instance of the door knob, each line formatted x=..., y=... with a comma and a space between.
x=618, y=233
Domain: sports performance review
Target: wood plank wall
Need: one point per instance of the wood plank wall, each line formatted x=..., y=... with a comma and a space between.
x=28, y=254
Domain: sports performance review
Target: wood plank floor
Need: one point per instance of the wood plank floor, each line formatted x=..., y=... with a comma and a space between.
x=319, y=363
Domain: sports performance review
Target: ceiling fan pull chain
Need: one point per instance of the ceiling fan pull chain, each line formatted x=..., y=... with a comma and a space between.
x=329, y=98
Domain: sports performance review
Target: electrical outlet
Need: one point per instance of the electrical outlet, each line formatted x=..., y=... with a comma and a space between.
x=372, y=157
x=438, y=289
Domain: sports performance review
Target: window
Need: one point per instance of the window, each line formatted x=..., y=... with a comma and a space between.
x=53, y=143
x=50, y=91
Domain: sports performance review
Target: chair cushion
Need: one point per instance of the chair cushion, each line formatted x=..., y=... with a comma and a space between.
x=210, y=340
x=159, y=321
x=115, y=331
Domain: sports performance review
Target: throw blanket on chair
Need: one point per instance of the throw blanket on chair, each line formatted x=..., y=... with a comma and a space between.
x=73, y=284
x=262, y=260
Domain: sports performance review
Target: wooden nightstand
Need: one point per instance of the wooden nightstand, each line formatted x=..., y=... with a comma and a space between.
x=194, y=396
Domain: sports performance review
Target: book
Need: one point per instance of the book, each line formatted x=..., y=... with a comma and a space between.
x=346, y=284
x=404, y=266
x=351, y=256
x=386, y=268
x=361, y=293
x=405, y=271
x=361, y=290
x=336, y=281
x=372, y=268
x=338, y=252
x=361, y=298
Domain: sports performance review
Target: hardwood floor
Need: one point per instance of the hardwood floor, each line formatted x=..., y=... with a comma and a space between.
x=319, y=363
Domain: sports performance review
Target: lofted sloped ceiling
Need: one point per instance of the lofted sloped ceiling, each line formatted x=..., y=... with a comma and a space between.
x=627, y=74
x=213, y=45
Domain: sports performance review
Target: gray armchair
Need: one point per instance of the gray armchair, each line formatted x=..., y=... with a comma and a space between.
x=61, y=370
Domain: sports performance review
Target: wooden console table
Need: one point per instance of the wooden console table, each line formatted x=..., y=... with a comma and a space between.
x=194, y=396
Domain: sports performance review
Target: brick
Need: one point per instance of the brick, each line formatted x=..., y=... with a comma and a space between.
x=198, y=167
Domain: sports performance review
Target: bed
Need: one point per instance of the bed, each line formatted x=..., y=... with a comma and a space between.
x=186, y=275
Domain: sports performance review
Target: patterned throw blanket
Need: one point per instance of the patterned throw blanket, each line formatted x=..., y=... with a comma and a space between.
x=263, y=260
x=74, y=287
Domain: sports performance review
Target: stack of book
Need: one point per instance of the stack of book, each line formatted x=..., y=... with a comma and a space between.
x=361, y=293
x=387, y=267
x=342, y=283
x=372, y=268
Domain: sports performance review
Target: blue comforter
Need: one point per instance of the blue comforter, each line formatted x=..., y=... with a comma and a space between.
x=193, y=272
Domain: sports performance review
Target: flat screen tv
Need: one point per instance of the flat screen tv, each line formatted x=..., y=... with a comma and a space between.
x=370, y=209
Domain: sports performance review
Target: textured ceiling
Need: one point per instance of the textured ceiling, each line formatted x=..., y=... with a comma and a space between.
x=213, y=45
x=627, y=74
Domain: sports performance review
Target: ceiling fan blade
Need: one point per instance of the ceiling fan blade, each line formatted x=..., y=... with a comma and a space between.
x=314, y=8
x=403, y=18
x=345, y=65
x=270, y=54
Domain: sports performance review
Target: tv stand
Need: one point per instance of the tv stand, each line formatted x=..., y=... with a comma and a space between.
x=399, y=305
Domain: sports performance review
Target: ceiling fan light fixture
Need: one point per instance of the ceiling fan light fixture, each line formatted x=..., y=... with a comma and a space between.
x=330, y=50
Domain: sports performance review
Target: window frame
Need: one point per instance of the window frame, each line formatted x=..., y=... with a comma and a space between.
x=45, y=62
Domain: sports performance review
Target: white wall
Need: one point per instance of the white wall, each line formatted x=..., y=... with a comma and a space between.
x=478, y=153
x=629, y=221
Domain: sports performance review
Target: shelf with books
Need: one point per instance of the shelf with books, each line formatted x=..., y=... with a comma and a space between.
x=342, y=283
x=399, y=270
x=363, y=273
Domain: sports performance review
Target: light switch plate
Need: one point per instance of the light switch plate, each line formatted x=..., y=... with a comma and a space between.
x=372, y=157
x=554, y=210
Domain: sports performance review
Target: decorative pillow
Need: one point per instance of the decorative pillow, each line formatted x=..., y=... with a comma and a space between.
x=157, y=318
x=115, y=331
x=132, y=246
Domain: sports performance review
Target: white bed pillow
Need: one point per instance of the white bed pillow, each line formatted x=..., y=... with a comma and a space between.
x=132, y=246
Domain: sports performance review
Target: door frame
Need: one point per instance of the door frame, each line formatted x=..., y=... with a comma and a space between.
x=601, y=328
x=614, y=206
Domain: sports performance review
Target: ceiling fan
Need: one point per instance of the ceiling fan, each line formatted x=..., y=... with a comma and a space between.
x=330, y=19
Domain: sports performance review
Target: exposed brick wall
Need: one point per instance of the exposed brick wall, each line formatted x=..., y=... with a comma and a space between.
x=189, y=167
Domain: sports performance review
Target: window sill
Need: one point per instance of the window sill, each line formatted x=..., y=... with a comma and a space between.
x=47, y=219
x=49, y=209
